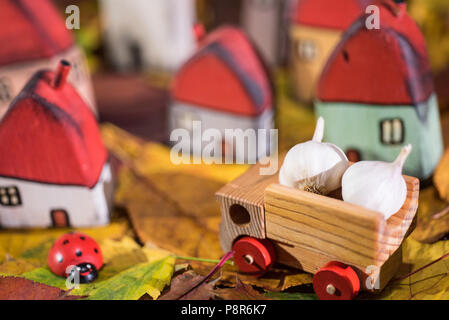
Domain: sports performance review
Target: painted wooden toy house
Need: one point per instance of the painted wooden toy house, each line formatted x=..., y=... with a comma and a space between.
x=147, y=35
x=376, y=94
x=225, y=85
x=264, y=23
x=316, y=27
x=33, y=37
x=54, y=168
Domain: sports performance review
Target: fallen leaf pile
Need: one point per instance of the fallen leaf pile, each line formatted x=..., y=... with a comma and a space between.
x=166, y=228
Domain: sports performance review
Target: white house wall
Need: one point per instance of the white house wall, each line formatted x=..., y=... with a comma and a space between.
x=85, y=207
x=16, y=75
x=261, y=19
x=209, y=118
x=163, y=30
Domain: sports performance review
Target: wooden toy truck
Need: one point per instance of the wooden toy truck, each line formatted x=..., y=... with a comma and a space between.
x=348, y=248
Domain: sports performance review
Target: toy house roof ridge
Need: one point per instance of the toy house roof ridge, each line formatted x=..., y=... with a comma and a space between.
x=32, y=29
x=233, y=48
x=51, y=136
x=387, y=67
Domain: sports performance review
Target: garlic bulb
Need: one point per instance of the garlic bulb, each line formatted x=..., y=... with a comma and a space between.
x=313, y=165
x=377, y=185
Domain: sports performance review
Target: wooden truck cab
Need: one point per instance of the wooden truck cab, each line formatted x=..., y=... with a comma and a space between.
x=309, y=231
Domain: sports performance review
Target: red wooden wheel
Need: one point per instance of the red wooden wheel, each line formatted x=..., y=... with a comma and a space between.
x=336, y=281
x=254, y=256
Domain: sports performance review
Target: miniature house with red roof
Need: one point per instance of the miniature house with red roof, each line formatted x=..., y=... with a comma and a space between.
x=225, y=85
x=34, y=37
x=316, y=29
x=376, y=93
x=54, y=167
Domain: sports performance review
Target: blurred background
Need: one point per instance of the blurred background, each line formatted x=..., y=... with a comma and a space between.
x=135, y=97
x=133, y=51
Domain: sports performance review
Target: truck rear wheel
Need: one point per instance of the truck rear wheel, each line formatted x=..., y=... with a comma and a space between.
x=254, y=256
x=336, y=281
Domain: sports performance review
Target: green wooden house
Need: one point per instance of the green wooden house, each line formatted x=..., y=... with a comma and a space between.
x=376, y=94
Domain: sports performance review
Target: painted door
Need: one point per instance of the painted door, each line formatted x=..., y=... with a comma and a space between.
x=60, y=218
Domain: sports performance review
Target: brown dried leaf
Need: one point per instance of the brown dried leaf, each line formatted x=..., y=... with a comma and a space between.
x=159, y=221
x=12, y=288
x=431, y=226
x=241, y=291
x=278, y=278
x=189, y=286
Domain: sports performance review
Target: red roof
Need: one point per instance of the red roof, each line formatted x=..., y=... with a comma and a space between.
x=332, y=14
x=388, y=66
x=226, y=74
x=31, y=30
x=50, y=135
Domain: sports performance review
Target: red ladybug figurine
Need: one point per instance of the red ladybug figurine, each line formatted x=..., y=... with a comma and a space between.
x=79, y=250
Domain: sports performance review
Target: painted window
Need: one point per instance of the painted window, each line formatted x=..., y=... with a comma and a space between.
x=10, y=197
x=306, y=50
x=5, y=90
x=392, y=131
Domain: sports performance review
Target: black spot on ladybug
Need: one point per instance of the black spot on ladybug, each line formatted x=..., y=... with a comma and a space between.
x=82, y=238
x=65, y=242
x=78, y=253
x=96, y=250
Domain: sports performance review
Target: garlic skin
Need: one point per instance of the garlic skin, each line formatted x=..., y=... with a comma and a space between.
x=377, y=185
x=314, y=166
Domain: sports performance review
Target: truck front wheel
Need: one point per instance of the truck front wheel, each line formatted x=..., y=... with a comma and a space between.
x=254, y=256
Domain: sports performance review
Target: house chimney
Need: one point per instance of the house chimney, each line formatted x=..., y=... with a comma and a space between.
x=199, y=32
x=61, y=74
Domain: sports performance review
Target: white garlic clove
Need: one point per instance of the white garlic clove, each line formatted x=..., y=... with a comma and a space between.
x=314, y=166
x=377, y=185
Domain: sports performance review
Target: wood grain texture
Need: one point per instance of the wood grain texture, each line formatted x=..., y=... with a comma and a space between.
x=248, y=192
x=329, y=225
x=310, y=230
x=401, y=223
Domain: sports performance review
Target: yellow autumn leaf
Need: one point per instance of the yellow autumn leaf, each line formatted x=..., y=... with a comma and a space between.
x=296, y=121
x=431, y=283
x=432, y=17
x=154, y=254
x=129, y=272
x=33, y=244
x=15, y=267
x=150, y=158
